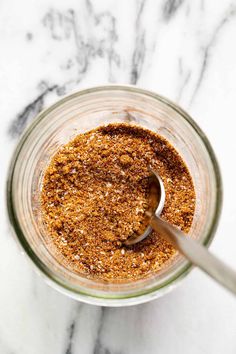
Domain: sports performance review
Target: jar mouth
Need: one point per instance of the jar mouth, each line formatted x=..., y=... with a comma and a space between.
x=154, y=289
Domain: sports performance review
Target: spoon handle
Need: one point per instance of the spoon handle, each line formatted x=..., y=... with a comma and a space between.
x=196, y=253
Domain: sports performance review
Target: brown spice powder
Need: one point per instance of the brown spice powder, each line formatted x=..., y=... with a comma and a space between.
x=94, y=197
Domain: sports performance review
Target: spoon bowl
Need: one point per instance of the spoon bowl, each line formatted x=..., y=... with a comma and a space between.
x=156, y=201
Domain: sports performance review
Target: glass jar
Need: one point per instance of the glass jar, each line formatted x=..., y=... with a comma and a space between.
x=81, y=112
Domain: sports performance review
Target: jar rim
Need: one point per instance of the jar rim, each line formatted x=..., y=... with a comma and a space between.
x=126, y=299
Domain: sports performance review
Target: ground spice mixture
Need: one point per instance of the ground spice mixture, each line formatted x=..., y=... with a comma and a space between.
x=94, y=197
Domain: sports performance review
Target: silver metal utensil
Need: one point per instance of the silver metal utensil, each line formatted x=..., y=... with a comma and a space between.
x=196, y=253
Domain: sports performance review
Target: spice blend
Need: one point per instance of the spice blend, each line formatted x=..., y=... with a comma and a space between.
x=94, y=197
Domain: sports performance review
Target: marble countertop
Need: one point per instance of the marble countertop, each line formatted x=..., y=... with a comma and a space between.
x=182, y=49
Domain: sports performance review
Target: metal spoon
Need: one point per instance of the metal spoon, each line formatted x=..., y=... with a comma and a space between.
x=196, y=253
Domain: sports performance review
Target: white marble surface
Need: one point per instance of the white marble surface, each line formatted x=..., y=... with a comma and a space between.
x=182, y=49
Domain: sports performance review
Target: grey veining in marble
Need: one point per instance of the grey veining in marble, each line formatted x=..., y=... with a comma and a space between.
x=181, y=49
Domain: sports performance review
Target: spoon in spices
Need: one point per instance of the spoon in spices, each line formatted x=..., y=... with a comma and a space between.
x=196, y=253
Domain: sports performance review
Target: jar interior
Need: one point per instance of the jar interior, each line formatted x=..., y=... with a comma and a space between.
x=85, y=111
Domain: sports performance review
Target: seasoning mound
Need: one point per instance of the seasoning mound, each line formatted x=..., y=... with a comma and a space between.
x=94, y=197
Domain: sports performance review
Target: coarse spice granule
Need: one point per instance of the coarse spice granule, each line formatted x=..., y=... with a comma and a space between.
x=94, y=197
